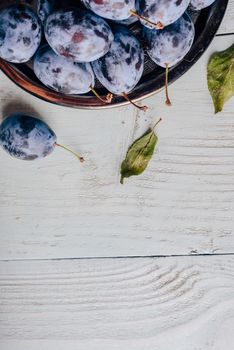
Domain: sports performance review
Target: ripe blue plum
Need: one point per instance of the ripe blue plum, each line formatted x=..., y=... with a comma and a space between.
x=62, y=75
x=20, y=33
x=65, y=76
x=160, y=12
x=28, y=138
x=78, y=35
x=122, y=67
x=44, y=9
x=198, y=5
x=111, y=9
x=168, y=46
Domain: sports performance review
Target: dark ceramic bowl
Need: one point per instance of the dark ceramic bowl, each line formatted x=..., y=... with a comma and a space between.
x=206, y=23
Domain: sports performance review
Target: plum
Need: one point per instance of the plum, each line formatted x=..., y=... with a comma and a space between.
x=160, y=12
x=20, y=33
x=28, y=138
x=127, y=22
x=171, y=44
x=198, y=5
x=168, y=46
x=122, y=67
x=44, y=8
x=78, y=35
x=64, y=76
x=111, y=9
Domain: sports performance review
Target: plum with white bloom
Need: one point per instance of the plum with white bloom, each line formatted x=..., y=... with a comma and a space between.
x=20, y=33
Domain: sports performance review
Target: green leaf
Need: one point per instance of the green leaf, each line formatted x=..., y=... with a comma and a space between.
x=220, y=77
x=139, y=155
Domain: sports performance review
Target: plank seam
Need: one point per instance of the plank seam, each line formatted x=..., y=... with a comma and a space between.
x=121, y=257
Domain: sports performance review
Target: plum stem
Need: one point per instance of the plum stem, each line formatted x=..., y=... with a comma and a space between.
x=142, y=108
x=157, y=25
x=168, y=101
x=160, y=119
x=107, y=99
x=81, y=159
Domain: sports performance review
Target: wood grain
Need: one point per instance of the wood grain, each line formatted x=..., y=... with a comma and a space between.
x=182, y=204
x=227, y=25
x=135, y=304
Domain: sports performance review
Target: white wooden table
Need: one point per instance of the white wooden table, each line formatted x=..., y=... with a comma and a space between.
x=88, y=264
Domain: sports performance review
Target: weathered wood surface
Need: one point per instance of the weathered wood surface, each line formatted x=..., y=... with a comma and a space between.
x=136, y=304
x=182, y=204
x=227, y=25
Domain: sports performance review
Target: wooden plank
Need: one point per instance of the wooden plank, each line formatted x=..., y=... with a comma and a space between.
x=136, y=304
x=182, y=204
x=227, y=25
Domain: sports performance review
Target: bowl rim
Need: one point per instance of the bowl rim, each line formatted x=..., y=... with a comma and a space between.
x=142, y=90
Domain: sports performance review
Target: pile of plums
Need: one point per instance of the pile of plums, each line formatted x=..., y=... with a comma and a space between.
x=92, y=38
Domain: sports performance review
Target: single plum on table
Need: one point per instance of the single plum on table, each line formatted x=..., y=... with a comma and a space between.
x=169, y=46
x=121, y=68
x=78, y=35
x=20, y=33
x=28, y=138
x=160, y=12
x=198, y=5
x=62, y=75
